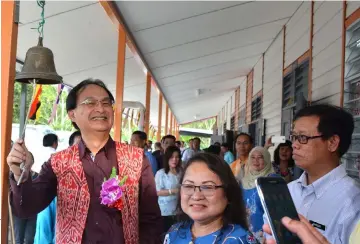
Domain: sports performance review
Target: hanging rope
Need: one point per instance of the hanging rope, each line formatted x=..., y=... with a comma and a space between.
x=40, y=28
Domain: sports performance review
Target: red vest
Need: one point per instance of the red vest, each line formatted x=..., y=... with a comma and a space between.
x=73, y=197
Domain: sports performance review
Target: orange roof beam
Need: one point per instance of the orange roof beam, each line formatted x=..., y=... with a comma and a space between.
x=112, y=11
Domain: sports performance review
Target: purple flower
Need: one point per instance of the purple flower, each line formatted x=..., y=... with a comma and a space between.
x=110, y=191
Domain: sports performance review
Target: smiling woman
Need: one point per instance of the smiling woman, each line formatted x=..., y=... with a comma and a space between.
x=210, y=205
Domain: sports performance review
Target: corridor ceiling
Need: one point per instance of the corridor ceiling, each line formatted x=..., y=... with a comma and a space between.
x=198, y=52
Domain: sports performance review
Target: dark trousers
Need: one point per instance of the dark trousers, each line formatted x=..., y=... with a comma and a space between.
x=24, y=230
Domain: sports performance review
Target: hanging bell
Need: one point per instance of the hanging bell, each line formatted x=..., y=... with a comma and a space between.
x=39, y=65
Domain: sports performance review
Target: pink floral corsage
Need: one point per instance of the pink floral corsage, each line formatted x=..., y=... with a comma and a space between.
x=112, y=191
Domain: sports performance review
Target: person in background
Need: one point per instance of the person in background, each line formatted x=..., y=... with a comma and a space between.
x=259, y=165
x=50, y=143
x=25, y=228
x=243, y=145
x=191, y=146
x=213, y=149
x=167, y=185
x=189, y=153
x=211, y=206
x=178, y=144
x=217, y=144
x=228, y=156
x=75, y=138
x=149, y=145
x=324, y=193
x=138, y=139
x=166, y=141
x=46, y=219
x=182, y=147
x=157, y=152
x=283, y=162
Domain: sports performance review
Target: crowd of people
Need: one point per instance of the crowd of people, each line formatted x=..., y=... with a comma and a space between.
x=102, y=191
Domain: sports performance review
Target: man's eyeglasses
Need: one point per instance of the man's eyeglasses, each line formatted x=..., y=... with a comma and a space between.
x=207, y=190
x=92, y=103
x=302, y=139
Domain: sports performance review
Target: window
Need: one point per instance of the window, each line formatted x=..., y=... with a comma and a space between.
x=232, y=123
x=352, y=95
x=256, y=108
x=242, y=116
x=295, y=83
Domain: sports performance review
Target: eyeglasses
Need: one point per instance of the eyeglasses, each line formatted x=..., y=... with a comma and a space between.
x=92, y=103
x=302, y=139
x=207, y=190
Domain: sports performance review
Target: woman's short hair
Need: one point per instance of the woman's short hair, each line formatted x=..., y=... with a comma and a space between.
x=167, y=156
x=235, y=211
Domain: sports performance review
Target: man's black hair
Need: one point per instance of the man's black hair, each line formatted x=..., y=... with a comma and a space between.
x=244, y=134
x=73, y=94
x=168, y=137
x=226, y=145
x=142, y=135
x=72, y=137
x=50, y=139
x=333, y=120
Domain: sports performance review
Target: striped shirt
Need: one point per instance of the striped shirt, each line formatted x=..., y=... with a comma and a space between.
x=333, y=202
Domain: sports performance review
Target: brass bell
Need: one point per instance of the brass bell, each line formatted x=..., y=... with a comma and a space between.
x=39, y=65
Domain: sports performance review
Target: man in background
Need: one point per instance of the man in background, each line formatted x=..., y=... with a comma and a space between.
x=74, y=138
x=192, y=151
x=138, y=139
x=149, y=145
x=228, y=156
x=50, y=143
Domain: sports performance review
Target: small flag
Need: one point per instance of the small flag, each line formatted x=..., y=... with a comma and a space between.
x=126, y=117
x=53, y=113
x=138, y=118
x=132, y=118
x=34, y=107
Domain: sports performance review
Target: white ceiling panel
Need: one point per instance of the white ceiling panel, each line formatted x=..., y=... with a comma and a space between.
x=215, y=88
x=242, y=67
x=30, y=11
x=214, y=59
x=213, y=24
x=202, y=83
x=201, y=108
x=193, y=50
x=75, y=43
x=159, y=13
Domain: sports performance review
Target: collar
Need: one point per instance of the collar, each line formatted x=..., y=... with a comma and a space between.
x=83, y=150
x=321, y=185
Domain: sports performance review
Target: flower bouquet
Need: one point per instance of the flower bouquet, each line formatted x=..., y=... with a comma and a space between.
x=112, y=190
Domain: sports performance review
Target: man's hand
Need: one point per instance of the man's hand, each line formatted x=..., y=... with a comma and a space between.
x=17, y=155
x=303, y=229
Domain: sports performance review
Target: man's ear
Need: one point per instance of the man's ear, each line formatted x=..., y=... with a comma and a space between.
x=333, y=143
x=71, y=115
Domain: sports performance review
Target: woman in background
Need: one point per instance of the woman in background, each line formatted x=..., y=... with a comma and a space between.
x=259, y=165
x=167, y=185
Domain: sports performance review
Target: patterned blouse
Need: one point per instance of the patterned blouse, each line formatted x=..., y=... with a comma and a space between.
x=231, y=234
